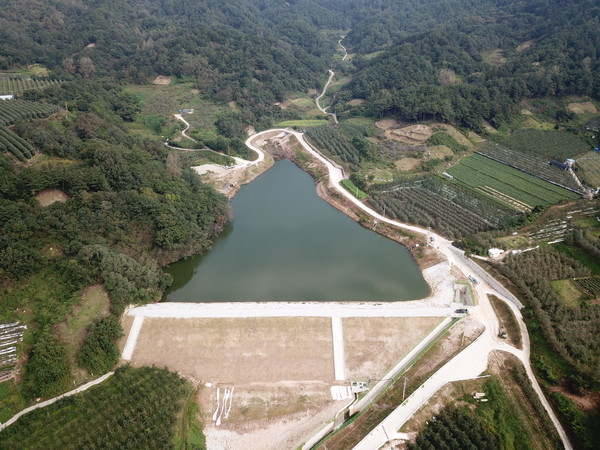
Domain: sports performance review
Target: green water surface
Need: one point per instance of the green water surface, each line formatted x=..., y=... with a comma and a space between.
x=287, y=244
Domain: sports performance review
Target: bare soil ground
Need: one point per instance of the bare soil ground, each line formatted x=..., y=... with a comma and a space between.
x=412, y=134
x=448, y=76
x=290, y=431
x=494, y=57
x=356, y=102
x=406, y=164
x=582, y=108
x=474, y=137
x=442, y=351
x=387, y=124
x=373, y=343
x=49, y=196
x=253, y=350
x=525, y=45
x=488, y=127
x=448, y=394
x=500, y=364
x=162, y=80
x=229, y=181
x=281, y=369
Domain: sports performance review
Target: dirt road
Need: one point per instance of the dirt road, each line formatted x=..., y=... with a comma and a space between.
x=318, y=99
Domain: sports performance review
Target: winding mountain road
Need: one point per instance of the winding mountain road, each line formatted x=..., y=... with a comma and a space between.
x=318, y=99
x=187, y=127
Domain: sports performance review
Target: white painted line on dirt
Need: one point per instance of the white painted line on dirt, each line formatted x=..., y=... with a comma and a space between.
x=339, y=354
x=136, y=327
x=230, y=402
x=214, y=417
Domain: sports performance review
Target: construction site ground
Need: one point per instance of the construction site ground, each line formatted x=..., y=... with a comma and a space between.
x=281, y=369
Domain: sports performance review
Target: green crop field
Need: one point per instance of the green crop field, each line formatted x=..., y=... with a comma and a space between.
x=589, y=165
x=548, y=144
x=15, y=145
x=135, y=408
x=302, y=123
x=20, y=85
x=505, y=184
x=14, y=110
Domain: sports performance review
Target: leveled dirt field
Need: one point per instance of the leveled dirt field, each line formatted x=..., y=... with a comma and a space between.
x=406, y=164
x=253, y=350
x=413, y=134
x=49, y=196
x=373, y=344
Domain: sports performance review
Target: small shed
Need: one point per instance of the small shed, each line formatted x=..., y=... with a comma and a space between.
x=495, y=252
x=558, y=164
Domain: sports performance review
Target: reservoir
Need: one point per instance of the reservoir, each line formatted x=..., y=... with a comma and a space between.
x=287, y=244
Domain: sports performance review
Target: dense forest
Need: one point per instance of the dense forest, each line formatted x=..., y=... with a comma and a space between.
x=478, y=66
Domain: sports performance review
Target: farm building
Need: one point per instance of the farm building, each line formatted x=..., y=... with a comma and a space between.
x=186, y=111
x=6, y=97
x=558, y=164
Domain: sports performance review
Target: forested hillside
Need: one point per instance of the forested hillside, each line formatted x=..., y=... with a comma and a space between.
x=123, y=209
x=243, y=51
x=479, y=64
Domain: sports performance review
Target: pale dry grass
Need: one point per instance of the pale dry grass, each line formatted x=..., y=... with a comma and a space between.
x=437, y=151
x=457, y=135
x=162, y=80
x=582, y=108
x=406, y=164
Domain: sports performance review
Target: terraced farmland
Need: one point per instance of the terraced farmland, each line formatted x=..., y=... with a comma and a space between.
x=14, y=110
x=591, y=285
x=17, y=86
x=531, y=164
x=15, y=145
x=507, y=185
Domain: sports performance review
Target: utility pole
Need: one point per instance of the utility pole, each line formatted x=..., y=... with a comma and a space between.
x=404, y=389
